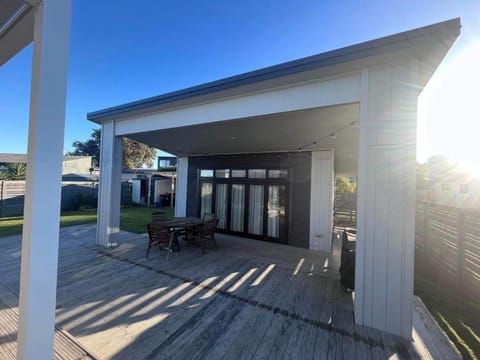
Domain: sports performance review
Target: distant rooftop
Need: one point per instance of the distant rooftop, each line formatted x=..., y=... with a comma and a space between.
x=22, y=158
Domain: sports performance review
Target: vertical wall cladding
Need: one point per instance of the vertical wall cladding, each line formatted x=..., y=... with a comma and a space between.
x=299, y=165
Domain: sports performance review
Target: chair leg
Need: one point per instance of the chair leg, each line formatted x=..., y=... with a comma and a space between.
x=148, y=250
x=170, y=244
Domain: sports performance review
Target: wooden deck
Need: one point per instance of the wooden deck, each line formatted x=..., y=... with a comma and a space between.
x=247, y=299
x=65, y=346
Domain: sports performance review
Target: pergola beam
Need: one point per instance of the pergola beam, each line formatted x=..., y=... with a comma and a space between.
x=38, y=278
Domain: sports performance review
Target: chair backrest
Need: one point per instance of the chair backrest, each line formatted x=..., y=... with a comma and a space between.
x=208, y=217
x=159, y=216
x=158, y=233
x=210, y=227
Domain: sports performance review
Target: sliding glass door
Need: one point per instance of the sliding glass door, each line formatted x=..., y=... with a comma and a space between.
x=255, y=209
x=237, y=206
x=249, y=202
x=221, y=205
x=276, y=210
x=206, y=198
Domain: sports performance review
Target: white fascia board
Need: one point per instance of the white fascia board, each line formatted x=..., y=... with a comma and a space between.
x=306, y=96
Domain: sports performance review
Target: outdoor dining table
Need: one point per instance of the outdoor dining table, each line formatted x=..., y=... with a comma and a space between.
x=187, y=223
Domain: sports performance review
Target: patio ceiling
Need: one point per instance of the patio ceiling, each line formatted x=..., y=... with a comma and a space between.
x=16, y=27
x=277, y=132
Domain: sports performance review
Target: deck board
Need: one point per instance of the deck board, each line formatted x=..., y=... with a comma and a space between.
x=246, y=299
x=65, y=347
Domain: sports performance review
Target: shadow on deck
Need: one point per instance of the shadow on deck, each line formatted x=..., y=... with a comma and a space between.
x=246, y=299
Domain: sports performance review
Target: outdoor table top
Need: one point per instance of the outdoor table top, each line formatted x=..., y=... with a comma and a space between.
x=182, y=222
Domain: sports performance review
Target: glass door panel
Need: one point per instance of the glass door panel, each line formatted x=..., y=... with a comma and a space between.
x=237, y=207
x=206, y=198
x=255, y=210
x=276, y=210
x=221, y=205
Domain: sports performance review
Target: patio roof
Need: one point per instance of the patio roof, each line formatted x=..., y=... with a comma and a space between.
x=282, y=132
x=429, y=44
x=16, y=26
x=180, y=123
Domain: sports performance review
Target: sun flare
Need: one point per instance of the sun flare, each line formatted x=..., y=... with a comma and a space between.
x=449, y=110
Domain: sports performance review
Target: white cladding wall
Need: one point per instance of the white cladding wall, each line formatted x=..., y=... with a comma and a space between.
x=386, y=199
x=321, y=201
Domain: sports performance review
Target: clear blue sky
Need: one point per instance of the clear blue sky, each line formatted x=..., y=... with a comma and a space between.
x=127, y=50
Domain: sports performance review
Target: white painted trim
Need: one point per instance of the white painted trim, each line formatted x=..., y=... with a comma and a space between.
x=38, y=275
x=307, y=96
x=321, y=200
x=258, y=152
x=360, y=261
x=182, y=187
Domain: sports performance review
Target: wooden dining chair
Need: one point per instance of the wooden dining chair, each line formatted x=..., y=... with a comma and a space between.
x=207, y=233
x=159, y=216
x=208, y=217
x=163, y=237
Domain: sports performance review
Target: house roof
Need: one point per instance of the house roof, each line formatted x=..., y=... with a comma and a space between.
x=428, y=44
x=22, y=158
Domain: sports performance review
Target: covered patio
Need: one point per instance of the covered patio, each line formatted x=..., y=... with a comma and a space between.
x=364, y=96
x=246, y=299
x=350, y=111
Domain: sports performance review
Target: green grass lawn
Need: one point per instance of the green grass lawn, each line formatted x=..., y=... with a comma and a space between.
x=133, y=219
x=458, y=317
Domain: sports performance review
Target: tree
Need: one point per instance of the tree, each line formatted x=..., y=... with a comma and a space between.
x=343, y=184
x=17, y=171
x=91, y=147
x=135, y=154
x=438, y=165
x=14, y=171
x=423, y=180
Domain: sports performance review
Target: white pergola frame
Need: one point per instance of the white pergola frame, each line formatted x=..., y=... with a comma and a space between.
x=38, y=278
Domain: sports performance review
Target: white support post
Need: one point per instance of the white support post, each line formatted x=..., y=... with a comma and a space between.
x=321, y=201
x=386, y=199
x=172, y=190
x=181, y=188
x=109, y=192
x=38, y=276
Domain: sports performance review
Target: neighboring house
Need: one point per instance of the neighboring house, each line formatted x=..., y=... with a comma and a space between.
x=261, y=149
x=71, y=164
x=166, y=162
x=76, y=164
x=149, y=185
x=457, y=188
